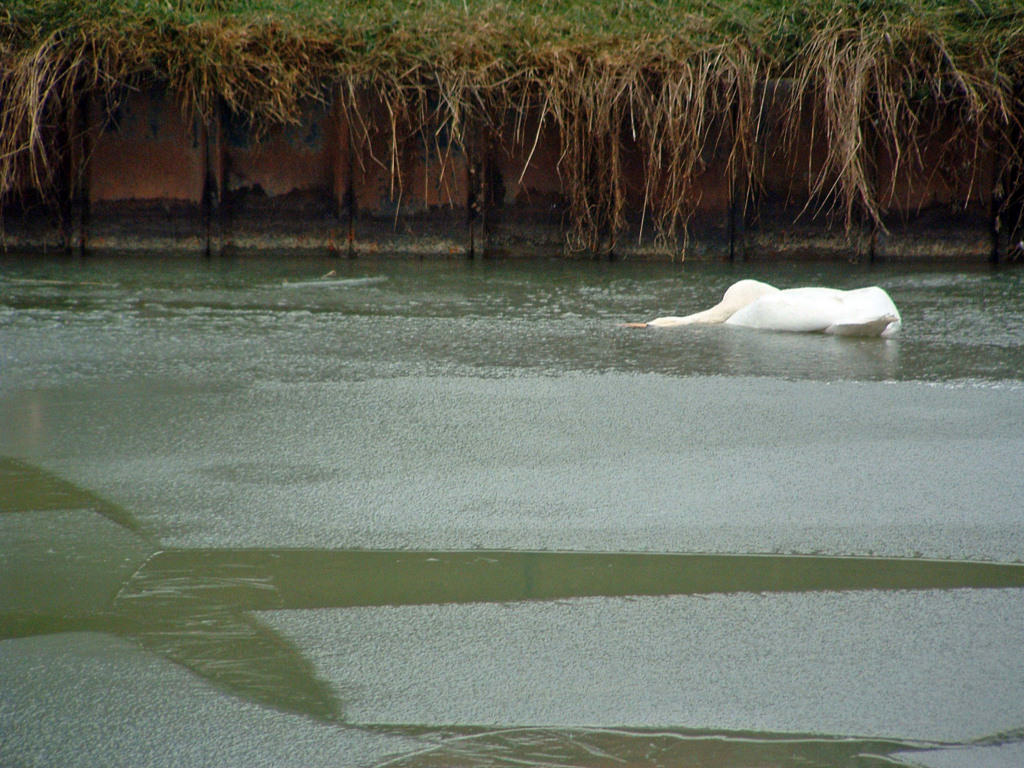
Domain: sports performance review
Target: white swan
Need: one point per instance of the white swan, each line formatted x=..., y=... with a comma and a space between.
x=753, y=304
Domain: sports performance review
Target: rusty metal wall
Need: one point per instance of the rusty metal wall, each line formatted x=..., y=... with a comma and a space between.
x=145, y=178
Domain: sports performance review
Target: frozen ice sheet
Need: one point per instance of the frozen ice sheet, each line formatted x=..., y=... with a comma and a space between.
x=583, y=462
x=970, y=756
x=935, y=666
x=84, y=699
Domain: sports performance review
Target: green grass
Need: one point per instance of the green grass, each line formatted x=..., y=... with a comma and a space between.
x=679, y=77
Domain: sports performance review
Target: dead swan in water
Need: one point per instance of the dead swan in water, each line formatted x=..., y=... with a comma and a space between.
x=753, y=304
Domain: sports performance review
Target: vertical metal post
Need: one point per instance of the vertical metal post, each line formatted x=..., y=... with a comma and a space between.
x=213, y=184
x=79, y=131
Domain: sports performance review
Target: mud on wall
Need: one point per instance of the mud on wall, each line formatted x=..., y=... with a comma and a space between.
x=143, y=177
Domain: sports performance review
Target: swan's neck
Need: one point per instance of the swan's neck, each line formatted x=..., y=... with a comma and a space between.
x=736, y=298
x=714, y=315
x=719, y=313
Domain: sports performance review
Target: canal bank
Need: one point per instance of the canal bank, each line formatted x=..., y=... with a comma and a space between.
x=857, y=131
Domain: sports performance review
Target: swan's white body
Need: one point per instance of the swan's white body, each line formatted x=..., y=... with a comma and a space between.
x=753, y=304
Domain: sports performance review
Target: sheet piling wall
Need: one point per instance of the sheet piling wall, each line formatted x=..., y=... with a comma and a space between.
x=144, y=177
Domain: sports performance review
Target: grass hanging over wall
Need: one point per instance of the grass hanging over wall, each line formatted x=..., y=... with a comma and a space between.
x=675, y=80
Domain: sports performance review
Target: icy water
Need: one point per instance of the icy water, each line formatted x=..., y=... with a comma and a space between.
x=448, y=513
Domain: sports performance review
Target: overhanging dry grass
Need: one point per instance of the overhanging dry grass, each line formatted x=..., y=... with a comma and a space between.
x=676, y=82
x=892, y=84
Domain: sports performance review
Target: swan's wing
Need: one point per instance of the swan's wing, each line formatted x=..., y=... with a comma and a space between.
x=795, y=309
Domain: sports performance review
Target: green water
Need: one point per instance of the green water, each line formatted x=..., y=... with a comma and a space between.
x=439, y=513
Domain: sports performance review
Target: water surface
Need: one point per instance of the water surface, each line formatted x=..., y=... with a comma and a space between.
x=451, y=513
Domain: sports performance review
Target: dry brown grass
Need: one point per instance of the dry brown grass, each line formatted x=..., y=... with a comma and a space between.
x=675, y=83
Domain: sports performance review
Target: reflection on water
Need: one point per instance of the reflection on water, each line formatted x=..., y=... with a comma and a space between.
x=275, y=579
x=196, y=608
x=26, y=487
x=593, y=747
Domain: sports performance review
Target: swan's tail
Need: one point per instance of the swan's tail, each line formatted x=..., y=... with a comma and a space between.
x=885, y=325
